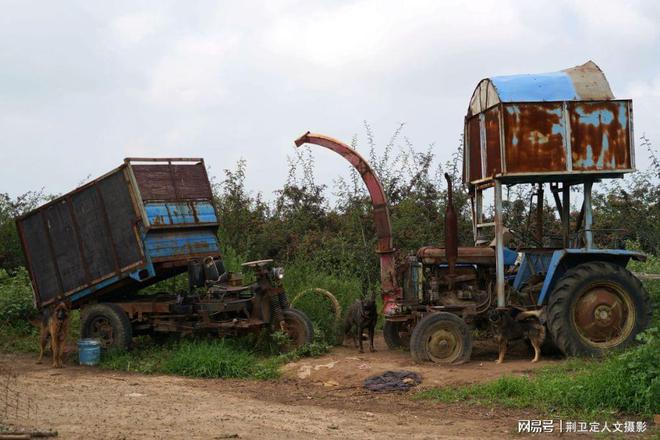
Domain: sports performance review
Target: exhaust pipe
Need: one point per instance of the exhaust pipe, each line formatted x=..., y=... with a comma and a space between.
x=451, y=233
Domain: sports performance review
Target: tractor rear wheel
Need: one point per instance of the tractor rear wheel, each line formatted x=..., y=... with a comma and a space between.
x=108, y=323
x=397, y=334
x=442, y=338
x=595, y=307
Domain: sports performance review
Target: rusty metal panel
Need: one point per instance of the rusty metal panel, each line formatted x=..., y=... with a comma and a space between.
x=172, y=181
x=192, y=181
x=81, y=238
x=188, y=213
x=534, y=136
x=40, y=262
x=493, y=160
x=183, y=243
x=94, y=233
x=474, y=148
x=114, y=194
x=61, y=228
x=600, y=135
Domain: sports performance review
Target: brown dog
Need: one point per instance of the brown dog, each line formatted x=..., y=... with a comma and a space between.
x=54, y=326
x=515, y=324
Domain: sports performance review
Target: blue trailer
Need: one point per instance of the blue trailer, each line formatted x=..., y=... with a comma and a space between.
x=148, y=220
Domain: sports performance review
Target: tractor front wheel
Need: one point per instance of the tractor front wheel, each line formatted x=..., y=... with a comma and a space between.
x=442, y=338
x=397, y=334
x=596, y=307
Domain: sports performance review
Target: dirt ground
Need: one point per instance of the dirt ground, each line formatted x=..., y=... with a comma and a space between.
x=317, y=398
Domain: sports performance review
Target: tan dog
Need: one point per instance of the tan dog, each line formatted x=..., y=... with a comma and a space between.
x=513, y=324
x=54, y=326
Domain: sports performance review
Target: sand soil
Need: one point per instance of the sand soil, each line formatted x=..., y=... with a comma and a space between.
x=316, y=398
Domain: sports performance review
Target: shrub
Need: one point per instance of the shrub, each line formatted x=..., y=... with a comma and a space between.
x=16, y=300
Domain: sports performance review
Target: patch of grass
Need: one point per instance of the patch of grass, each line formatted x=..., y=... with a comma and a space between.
x=623, y=383
x=19, y=339
x=241, y=358
x=195, y=358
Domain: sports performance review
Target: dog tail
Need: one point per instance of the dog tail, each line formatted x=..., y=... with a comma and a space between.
x=538, y=314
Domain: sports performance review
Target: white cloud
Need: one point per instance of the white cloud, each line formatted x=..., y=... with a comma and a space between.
x=133, y=28
x=100, y=81
x=192, y=71
x=372, y=35
x=617, y=24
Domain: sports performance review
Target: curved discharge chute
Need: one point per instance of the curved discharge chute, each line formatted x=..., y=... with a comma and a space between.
x=391, y=292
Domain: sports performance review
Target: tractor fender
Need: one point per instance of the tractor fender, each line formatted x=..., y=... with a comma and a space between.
x=564, y=259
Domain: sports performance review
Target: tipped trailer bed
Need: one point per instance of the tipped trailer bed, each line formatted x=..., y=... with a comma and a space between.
x=136, y=225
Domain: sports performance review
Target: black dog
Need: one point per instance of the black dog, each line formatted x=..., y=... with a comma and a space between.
x=515, y=324
x=361, y=315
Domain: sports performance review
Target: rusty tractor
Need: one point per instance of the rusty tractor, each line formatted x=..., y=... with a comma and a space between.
x=560, y=131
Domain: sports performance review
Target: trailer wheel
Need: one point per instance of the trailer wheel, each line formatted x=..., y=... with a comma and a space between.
x=595, y=307
x=298, y=328
x=108, y=323
x=397, y=334
x=442, y=338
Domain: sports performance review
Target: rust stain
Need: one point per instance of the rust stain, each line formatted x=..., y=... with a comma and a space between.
x=493, y=160
x=534, y=137
x=600, y=135
x=474, y=147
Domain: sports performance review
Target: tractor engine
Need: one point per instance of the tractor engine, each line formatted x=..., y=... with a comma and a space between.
x=427, y=282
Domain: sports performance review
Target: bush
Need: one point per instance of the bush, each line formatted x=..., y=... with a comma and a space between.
x=16, y=299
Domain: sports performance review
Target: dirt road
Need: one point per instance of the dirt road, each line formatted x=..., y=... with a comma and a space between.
x=317, y=398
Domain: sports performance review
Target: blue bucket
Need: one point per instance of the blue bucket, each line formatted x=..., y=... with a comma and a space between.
x=89, y=351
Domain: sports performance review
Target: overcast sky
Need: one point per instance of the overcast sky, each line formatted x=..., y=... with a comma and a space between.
x=85, y=84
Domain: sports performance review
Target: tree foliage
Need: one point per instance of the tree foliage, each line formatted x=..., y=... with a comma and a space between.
x=331, y=226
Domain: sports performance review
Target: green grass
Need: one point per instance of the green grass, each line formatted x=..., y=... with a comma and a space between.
x=19, y=339
x=240, y=358
x=623, y=383
x=194, y=358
